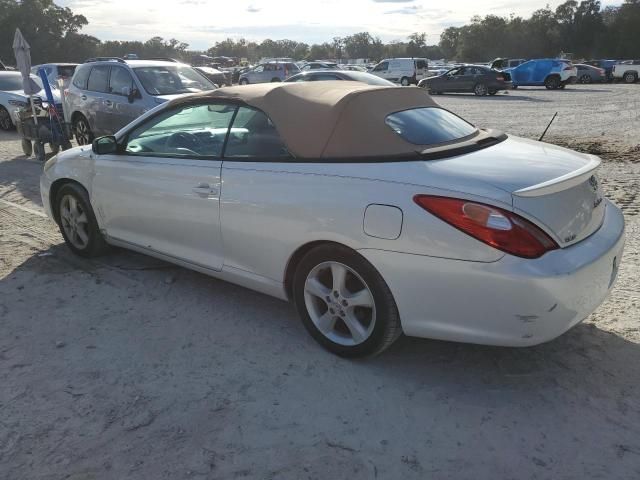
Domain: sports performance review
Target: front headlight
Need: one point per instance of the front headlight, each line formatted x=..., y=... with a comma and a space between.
x=18, y=103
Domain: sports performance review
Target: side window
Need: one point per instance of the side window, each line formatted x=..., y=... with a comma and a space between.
x=192, y=131
x=81, y=76
x=383, y=67
x=99, y=79
x=259, y=69
x=324, y=76
x=253, y=135
x=120, y=81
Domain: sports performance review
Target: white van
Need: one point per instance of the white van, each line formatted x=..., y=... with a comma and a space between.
x=405, y=71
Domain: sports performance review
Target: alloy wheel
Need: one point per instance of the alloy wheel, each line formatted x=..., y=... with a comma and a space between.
x=74, y=222
x=629, y=78
x=83, y=134
x=340, y=303
x=585, y=79
x=480, y=89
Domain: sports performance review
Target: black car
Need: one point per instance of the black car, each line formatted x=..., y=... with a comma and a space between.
x=320, y=75
x=476, y=79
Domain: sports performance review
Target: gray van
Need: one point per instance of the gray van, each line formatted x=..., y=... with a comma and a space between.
x=106, y=94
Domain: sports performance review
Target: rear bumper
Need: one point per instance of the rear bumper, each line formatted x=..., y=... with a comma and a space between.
x=510, y=302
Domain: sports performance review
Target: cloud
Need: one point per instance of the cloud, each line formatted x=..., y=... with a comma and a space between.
x=411, y=10
x=252, y=9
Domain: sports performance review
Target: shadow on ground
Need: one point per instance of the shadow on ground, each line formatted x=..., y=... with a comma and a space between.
x=127, y=367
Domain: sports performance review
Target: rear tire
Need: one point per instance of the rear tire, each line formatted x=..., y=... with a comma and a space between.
x=480, y=90
x=84, y=135
x=405, y=82
x=243, y=81
x=552, y=83
x=630, y=77
x=585, y=78
x=77, y=222
x=344, y=303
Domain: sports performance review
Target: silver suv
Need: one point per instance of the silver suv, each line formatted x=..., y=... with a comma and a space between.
x=269, y=72
x=108, y=93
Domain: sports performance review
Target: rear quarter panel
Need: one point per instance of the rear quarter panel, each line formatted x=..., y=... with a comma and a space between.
x=270, y=210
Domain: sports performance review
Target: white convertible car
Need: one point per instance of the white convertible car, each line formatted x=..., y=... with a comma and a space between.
x=372, y=209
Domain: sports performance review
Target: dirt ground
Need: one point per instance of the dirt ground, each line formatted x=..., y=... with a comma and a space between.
x=129, y=368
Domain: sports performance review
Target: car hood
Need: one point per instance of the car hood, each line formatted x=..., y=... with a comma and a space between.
x=23, y=96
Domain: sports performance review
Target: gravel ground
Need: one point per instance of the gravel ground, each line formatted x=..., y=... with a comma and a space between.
x=127, y=367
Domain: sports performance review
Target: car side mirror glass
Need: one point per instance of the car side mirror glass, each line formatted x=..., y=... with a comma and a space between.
x=105, y=145
x=125, y=92
x=133, y=94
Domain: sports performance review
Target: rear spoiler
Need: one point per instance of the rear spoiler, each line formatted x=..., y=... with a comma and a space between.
x=568, y=180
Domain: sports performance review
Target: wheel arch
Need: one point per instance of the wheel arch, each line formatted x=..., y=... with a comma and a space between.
x=298, y=255
x=53, y=193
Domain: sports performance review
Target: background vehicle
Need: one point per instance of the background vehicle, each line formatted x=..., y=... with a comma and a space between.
x=216, y=76
x=607, y=65
x=470, y=78
x=365, y=233
x=590, y=74
x=13, y=98
x=56, y=72
x=627, y=70
x=317, y=65
x=105, y=94
x=504, y=63
x=551, y=73
x=268, y=72
x=353, y=68
x=2, y=67
x=405, y=71
x=354, y=76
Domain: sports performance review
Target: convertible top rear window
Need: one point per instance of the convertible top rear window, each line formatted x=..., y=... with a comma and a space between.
x=429, y=126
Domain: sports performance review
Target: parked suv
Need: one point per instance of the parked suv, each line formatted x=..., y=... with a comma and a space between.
x=553, y=73
x=269, y=72
x=405, y=71
x=627, y=70
x=108, y=93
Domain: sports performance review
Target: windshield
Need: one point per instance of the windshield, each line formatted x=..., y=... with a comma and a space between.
x=172, y=80
x=13, y=82
x=429, y=126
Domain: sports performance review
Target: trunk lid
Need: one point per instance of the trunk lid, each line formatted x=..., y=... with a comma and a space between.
x=553, y=186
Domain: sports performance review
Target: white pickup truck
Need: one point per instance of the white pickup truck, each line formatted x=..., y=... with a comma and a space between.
x=627, y=70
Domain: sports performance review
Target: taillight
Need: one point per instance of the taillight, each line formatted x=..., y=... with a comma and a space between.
x=500, y=77
x=494, y=226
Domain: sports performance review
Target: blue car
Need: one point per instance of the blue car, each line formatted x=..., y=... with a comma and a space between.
x=551, y=73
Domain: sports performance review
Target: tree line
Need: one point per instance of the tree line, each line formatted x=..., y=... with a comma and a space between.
x=584, y=29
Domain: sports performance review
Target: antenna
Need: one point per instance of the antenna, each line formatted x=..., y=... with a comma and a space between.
x=545, y=130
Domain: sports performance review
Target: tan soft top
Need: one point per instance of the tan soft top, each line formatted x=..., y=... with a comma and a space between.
x=332, y=119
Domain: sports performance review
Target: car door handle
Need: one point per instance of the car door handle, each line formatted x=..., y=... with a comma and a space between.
x=83, y=97
x=205, y=190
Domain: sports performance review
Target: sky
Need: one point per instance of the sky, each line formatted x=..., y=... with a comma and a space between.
x=201, y=23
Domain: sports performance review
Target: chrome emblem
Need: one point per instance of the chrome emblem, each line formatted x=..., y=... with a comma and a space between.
x=593, y=181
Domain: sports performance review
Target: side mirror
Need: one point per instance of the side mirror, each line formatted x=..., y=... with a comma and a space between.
x=133, y=94
x=105, y=145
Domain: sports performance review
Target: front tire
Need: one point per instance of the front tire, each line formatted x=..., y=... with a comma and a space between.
x=405, y=82
x=630, y=77
x=243, y=81
x=585, y=78
x=5, y=119
x=77, y=222
x=82, y=129
x=344, y=303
